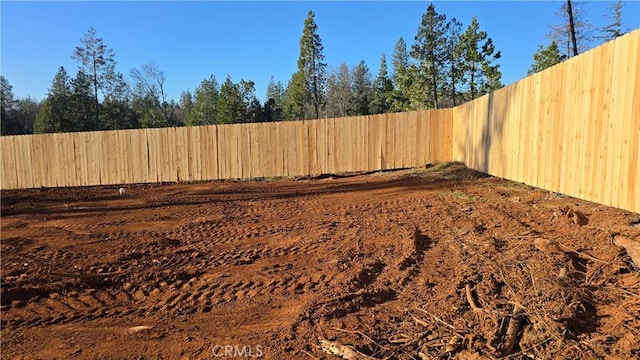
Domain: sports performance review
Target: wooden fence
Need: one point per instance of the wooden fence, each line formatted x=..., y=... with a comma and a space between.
x=573, y=128
x=296, y=148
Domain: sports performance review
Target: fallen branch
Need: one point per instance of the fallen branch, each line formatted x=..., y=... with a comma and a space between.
x=308, y=354
x=511, y=337
x=435, y=318
x=361, y=334
x=472, y=302
x=84, y=275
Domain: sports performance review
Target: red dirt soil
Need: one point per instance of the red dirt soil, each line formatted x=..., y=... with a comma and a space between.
x=416, y=264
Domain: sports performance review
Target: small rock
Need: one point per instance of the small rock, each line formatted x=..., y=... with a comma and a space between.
x=139, y=295
x=136, y=329
x=121, y=191
x=577, y=217
x=546, y=245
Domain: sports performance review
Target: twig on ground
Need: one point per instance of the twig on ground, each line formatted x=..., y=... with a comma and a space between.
x=584, y=255
x=361, y=334
x=308, y=354
x=474, y=306
x=435, y=318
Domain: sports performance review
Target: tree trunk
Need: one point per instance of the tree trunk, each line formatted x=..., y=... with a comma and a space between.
x=572, y=28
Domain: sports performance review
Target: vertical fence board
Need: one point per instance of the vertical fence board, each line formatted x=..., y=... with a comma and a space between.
x=22, y=154
x=81, y=158
x=627, y=143
x=39, y=166
x=9, y=169
x=633, y=178
x=321, y=139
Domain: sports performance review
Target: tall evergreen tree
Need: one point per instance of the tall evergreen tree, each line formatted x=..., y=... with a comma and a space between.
x=116, y=110
x=429, y=50
x=53, y=115
x=186, y=103
x=230, y=105
x=294, y=97
x=311, y=65
x=274, y=103
x=401, y=77
x=23, y=115
x=383, y=87
x=477, y=56
x=205, y=103
x=450, y=96
x=362, y=89
x=98, y=62
x=251, y=107
x=7, y=103
x=339, y=92
x=81, y=106
x=545, y=58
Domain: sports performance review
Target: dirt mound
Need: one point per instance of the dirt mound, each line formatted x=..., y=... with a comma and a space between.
x=439, y=262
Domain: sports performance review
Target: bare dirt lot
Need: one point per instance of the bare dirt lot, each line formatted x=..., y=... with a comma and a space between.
x=417, y=264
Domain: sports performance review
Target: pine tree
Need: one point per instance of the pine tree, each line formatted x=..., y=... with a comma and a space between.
x=383, y=87
x=81, y=106
x=116, y=110
x=53, y=115
x=545, y=58
x=362, y=90
x=401, y=77
x=311, y=65
x=204, y=111
x=429, y=51
x=294, y=97
x=450, y=95
x=229, y=108
x=7, y=103
x=186, y=103
x=274, y=103
x=23, y=115
x=98, y=62
x=251, y=107
x=476, y=53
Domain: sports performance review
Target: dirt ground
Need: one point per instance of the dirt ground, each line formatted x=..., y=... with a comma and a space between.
x=431, y=263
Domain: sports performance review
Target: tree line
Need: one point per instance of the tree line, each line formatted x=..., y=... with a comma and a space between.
x=444, y=66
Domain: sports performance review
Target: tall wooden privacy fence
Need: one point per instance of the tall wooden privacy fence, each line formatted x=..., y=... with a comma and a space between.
x=573, y=128
x=255, y=150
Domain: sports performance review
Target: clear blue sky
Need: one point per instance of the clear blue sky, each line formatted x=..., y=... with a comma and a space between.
x=190, y=41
